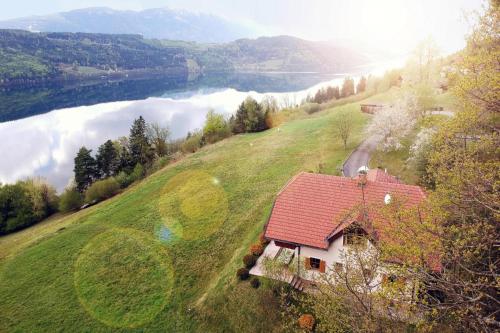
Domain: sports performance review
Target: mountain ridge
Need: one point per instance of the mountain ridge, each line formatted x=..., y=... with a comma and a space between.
x=158, y=23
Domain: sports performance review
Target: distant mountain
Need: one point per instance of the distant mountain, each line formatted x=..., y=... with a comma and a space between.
x=161, y=23
x=268, y=54
x=28, y=58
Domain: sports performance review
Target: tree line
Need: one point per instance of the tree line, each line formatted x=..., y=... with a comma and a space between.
x=347, y=89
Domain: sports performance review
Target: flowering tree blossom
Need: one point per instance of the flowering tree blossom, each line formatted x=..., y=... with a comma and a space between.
x=392, y=124
x=422, y=141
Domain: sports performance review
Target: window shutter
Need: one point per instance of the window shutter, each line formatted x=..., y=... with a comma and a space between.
x=322, y=266
x=307, y=262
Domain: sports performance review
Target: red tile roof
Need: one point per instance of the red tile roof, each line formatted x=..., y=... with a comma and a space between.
x=311, y=206
x=377, y=175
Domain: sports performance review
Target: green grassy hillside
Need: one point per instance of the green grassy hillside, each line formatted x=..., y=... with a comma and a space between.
x=150, y=258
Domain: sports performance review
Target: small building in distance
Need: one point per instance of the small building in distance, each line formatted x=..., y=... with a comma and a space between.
x=371, y=108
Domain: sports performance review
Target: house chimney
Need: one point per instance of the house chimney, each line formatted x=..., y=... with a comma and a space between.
x=362, y=175
x=362, y=178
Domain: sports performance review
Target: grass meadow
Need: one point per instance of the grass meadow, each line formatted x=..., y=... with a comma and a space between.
x=162, y=256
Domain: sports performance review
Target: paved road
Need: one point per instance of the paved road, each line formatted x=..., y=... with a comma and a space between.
x=360, y=156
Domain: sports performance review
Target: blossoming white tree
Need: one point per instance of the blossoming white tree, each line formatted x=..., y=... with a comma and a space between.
x=392, y=124
x=421, y=142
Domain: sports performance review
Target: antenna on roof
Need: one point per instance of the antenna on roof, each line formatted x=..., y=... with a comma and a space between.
x=362, y=181
x=363, y=169
x=387, y=199
x=362, y=176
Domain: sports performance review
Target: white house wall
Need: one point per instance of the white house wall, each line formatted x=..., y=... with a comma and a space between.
x=330, y=257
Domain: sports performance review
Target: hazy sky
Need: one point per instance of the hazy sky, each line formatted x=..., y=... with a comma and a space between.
x=398, y=23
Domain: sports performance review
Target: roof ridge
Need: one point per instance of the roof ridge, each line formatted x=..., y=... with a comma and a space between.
x=329, y=176
x=289, y=182
x=343, y=178
x=397, y=184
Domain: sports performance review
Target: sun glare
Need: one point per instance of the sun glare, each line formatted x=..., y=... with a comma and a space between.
x=384, y=21
x=386, y=24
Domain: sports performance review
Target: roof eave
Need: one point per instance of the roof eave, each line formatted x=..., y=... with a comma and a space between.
x=299, y=244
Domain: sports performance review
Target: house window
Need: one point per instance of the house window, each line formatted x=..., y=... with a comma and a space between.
x=339, y=267
x=315, y=263
x=354, y=236
x=368, y=273
x=391, y=278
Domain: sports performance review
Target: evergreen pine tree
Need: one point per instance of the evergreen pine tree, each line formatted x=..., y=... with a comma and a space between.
x=85, y=169
x=336, y=92
x=330, y=93
x=361, y=87
x=249, y=117
x=140, y=149
x=347, y=87
x=238, y=121
x=125, y=161
x=107, y=159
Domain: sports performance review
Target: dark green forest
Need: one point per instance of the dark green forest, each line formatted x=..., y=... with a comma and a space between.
x=26, y=56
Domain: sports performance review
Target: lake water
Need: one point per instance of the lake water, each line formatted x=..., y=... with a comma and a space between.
x=45, y=144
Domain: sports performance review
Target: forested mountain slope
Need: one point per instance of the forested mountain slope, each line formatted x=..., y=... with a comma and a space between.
x=280, y=53
x=26, y=56
x=33, y=58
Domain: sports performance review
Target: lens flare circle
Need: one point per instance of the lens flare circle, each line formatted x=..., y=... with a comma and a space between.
x=193, y=205
x=123, y=278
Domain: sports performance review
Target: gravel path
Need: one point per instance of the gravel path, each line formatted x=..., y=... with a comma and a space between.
x=360, y=156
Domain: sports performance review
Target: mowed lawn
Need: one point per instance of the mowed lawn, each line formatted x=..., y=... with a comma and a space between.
x=148, y=259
